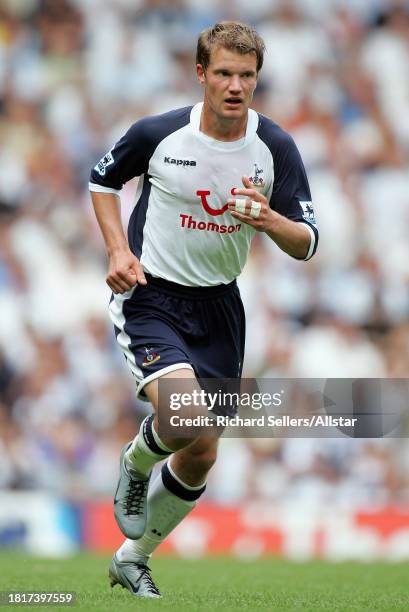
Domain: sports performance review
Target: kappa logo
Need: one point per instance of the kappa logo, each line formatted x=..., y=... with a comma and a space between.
x=179, y=162
x=106, y=161
x=150, y=358
x=256, y=179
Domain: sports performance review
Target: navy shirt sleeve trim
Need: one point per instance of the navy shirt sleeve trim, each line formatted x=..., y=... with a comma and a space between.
x=291, y=195
x=131, y=154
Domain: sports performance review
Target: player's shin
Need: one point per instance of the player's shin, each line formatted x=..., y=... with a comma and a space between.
x=169, y=502
x=146, y=449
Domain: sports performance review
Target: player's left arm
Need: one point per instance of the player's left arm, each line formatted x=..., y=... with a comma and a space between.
x=292, y=237
x=288, y=218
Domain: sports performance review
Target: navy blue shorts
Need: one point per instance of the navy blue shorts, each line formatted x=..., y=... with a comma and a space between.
x=163, y=326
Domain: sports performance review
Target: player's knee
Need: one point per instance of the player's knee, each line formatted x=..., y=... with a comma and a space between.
x=203, y=458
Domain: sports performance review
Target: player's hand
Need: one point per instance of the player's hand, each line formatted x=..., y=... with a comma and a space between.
x=125, y=271
x=265, y=216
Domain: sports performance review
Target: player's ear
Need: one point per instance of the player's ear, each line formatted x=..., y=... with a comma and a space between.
x=200, y=74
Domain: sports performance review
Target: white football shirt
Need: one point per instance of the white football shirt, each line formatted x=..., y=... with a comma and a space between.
x=180, y=228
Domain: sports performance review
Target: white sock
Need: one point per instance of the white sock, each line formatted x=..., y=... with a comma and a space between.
x=165, y=511
x=146, y=449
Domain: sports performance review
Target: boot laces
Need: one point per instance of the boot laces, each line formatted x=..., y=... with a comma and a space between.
x=146, y=576
x=135, y=496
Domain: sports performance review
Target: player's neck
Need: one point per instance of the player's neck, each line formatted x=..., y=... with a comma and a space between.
x=222, y=129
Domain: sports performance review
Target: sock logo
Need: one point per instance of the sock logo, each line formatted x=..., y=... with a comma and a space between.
x=156, y=532
x=150, y=358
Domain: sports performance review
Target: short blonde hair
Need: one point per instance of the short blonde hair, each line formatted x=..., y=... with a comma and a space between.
x=231, y=35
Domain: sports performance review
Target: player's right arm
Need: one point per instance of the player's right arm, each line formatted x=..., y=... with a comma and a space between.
x=124, y=270
x=127, y=159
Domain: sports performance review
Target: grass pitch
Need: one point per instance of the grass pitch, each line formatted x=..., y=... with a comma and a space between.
x=216, y=584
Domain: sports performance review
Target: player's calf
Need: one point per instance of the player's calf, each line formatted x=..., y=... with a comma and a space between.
x=193, y=463
x=139, y=457
x=170, y=500
x=136, y=462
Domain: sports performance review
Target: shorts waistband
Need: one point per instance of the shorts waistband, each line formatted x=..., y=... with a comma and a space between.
x=193, y=293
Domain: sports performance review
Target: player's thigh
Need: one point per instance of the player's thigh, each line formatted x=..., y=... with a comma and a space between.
x=182, y=413
x=184, y=378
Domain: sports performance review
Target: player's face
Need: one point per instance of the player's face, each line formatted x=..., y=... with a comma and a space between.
x=229, y=82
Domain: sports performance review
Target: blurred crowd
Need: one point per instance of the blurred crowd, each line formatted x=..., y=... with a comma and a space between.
x=74, y=74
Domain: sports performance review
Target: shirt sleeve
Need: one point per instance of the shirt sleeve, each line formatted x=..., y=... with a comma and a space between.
x=291, y=195
x=128, y=158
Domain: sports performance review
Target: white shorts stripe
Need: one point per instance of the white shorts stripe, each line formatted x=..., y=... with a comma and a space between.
x=118, y=319
x=124, y=340
x=159, y=373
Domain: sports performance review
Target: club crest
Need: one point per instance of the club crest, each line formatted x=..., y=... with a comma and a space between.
x=256, y=179
x=150, y=357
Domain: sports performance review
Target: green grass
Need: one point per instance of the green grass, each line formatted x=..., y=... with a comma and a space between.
x=217, y=584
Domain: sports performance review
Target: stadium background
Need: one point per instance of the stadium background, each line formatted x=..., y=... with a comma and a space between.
x=74, y=74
